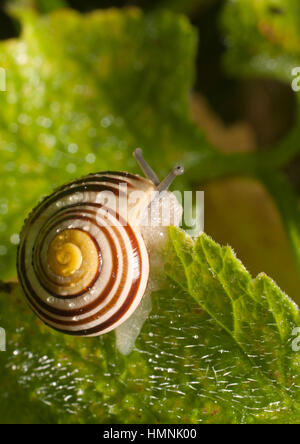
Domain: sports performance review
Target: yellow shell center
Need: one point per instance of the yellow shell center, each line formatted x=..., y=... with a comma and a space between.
x=67, y=259
x=68, y=250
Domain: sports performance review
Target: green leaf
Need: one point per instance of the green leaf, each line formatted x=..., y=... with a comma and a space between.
x=42, y=6
x=218, y=350
x=253, y=312
x=263, y=37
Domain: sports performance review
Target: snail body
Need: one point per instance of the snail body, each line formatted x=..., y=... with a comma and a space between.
x=83, y=258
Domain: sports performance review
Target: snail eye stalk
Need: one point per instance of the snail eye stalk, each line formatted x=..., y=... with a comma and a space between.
x=165, y=184
x=150, y=174
x=145, y=167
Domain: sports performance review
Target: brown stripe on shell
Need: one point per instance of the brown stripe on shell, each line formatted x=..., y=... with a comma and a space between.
x=101, y=179
x=76, y=187
x=127, y=303
x=107, y=307
x=66, y=192
x=38, y=267
x=81, y=310
x=55, y=220
x=116, y=316
x=128, y=175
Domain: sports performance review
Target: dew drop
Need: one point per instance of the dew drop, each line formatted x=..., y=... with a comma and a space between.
x=15, y=239
x=21, y=59
x=90, y=158
x=72, y=148
x=106, y=121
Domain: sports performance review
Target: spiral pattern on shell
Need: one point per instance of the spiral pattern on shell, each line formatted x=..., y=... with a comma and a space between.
x=83, y=267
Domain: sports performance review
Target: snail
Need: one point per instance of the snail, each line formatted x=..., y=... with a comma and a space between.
x=83, y=257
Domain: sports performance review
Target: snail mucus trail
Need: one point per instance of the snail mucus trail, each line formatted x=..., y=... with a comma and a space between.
x=84, y=264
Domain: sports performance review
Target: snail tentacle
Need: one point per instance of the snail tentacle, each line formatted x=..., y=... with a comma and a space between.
x=145, y=167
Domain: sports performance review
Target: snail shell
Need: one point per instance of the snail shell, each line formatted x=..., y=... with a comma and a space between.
x=82, y=261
